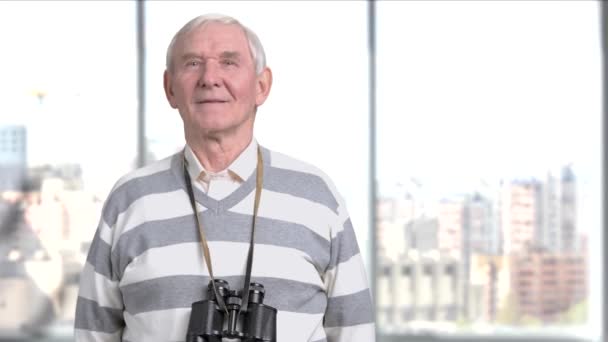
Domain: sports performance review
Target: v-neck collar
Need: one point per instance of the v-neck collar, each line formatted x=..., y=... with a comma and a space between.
x=221, y=205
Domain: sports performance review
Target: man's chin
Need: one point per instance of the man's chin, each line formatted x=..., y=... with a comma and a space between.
x=217, y=125
x=212, y=129
x=212, y=121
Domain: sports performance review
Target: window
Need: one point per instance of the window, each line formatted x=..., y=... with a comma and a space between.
x=386, y=271
x=449, y=270
x=492, y=100
x=68, y=103
x=477, y=98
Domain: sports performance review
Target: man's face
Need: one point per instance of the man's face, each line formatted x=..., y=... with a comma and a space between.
x=213, y=82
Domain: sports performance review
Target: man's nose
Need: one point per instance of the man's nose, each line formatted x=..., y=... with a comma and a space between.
x=210, y=75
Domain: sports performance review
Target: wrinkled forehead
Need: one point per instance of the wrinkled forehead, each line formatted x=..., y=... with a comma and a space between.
x=215, y=37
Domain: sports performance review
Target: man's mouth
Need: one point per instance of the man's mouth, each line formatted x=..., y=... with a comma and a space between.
x=210, y=101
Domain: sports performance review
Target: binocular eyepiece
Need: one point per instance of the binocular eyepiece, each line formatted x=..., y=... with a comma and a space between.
x=210, y=323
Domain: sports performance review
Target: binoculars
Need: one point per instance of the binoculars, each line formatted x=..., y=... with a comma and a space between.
x=210, y=323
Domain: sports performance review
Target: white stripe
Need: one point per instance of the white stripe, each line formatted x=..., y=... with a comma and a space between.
x=355, y=333
x=346, y=278
x=96, y=287
x=88, y=336
x=228, y=259
x=160, y=262
x=297, y=327
x=160, y=325
x=284, y=207
x=159, y=166
x=159, y=206
x=319, y=332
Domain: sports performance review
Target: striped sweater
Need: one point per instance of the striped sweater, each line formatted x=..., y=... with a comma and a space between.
x=145, y=266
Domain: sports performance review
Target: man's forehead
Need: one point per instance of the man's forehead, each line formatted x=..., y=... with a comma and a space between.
x=217, y=35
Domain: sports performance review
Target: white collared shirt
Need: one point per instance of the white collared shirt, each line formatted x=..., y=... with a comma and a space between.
x=220, y=184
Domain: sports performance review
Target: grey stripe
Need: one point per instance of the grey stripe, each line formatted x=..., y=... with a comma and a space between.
x=344, y=245
x=227, y=227
x=321, y=340
x=122, y=197
x=300, y=184
x=99, y=257
x=181, y=291
x=13, y=270
x=349, y=310
x=90, y=316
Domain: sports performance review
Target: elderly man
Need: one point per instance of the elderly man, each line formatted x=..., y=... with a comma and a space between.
x=166, y=227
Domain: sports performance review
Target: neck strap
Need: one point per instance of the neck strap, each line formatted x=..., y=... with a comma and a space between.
x=207, y=255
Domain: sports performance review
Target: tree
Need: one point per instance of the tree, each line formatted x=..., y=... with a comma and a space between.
x=576, y=314
x=508, y=312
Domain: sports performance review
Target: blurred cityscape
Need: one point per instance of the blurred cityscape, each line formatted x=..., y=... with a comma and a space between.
x=505, y=254
x=46, y=223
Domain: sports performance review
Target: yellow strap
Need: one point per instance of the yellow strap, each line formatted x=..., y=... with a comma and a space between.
x=204, y=245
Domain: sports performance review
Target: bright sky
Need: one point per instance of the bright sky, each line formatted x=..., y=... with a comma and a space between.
x=492, y=89
x=82, y=55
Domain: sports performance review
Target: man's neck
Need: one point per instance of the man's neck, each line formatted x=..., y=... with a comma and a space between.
x=217, y=153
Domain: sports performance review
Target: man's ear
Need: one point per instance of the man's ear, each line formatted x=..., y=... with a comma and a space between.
x=168, y=86
x=264, y=83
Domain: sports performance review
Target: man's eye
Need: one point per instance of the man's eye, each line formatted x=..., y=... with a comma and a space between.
x=193, y=63
x=228, y=62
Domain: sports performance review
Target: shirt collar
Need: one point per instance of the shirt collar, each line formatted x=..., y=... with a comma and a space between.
x=243, y=166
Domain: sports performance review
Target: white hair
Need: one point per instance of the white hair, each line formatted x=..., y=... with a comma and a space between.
x=255, y=45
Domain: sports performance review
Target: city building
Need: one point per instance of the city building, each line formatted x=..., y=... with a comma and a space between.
x=393, y=216
x=489, y=286
x=471, y=260
x=545, y=285
x=391, y=240
x=419, y=287
x=540, y=214
x=481, y=225
x=421, y=234
x=13, y=157
x=558, y=221
x=450, y=234
x=520, y=214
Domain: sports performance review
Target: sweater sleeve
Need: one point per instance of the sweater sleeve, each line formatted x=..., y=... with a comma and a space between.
x=99, y=308
x=350, y=314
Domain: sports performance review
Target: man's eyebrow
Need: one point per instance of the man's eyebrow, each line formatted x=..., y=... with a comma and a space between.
x=230, y=54
x=225, y=54
x=189, y=55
